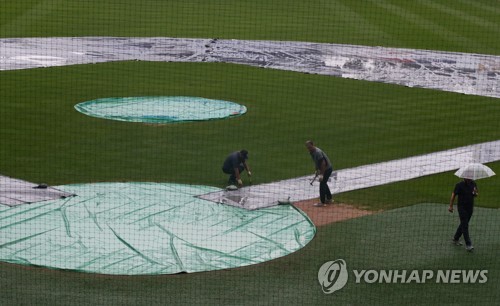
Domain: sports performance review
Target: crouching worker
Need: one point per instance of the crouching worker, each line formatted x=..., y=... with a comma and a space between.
x=234, y=165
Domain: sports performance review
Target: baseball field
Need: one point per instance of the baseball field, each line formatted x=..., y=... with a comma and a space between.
x=357, y=122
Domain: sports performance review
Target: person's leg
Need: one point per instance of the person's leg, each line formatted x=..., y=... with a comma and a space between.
x=326, y=177
x=465, y=216
x=322, y=192
x=467, y=239
x=322, y=195
x=458, y=232
x=232, y=177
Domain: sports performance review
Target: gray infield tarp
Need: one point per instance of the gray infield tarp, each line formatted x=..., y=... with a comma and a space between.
x=468, y=73
x=15, y=192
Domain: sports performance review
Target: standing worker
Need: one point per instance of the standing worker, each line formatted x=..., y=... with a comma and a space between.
x=323, y=170
x=234, y=165
x=466, y=191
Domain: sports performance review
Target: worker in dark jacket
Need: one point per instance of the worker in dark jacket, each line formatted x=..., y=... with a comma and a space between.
x=234, y=165
x=466, y=191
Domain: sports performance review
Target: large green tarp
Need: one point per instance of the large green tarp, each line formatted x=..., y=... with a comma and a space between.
x=160, y=109
x=147, y=228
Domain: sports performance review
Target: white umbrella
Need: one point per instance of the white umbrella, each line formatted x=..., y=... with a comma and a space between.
x=474, y=171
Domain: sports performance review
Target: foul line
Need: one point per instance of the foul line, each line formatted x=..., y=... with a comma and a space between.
x=298, y=189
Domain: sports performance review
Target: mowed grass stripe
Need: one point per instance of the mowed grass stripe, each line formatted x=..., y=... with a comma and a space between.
x=33, y=16
x=486, y=8
x=13, y=11
x=464, y=19
x=359, y=24
x=431, y=28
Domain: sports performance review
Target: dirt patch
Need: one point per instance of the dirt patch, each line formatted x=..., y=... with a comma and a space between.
x=331, y=212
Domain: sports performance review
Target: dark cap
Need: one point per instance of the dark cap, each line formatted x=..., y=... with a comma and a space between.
x=244, y=154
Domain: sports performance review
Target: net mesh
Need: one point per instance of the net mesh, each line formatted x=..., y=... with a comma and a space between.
x=398, y=94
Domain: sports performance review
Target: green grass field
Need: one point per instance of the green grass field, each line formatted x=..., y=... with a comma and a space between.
x=43, y=139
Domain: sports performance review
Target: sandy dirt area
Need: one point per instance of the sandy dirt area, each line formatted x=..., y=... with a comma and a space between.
x=330, y=213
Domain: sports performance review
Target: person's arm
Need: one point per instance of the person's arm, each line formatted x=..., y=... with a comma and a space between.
x=248, y=168
x=450, y=209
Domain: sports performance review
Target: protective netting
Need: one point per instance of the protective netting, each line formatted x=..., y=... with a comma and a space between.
x=402, y=96
x=160, y=109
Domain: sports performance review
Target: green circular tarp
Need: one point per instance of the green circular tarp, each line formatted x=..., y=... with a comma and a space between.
x=147, y=228
x=160, y=109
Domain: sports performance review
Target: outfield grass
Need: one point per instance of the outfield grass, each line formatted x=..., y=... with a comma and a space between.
x=465, y=25
x=44, y=139
x=411, y=238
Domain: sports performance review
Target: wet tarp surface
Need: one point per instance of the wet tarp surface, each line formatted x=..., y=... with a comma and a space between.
x=147, y=228
x=474, y=74
x=160, y=109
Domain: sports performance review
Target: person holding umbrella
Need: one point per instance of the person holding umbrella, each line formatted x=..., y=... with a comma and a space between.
x=466, y=191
